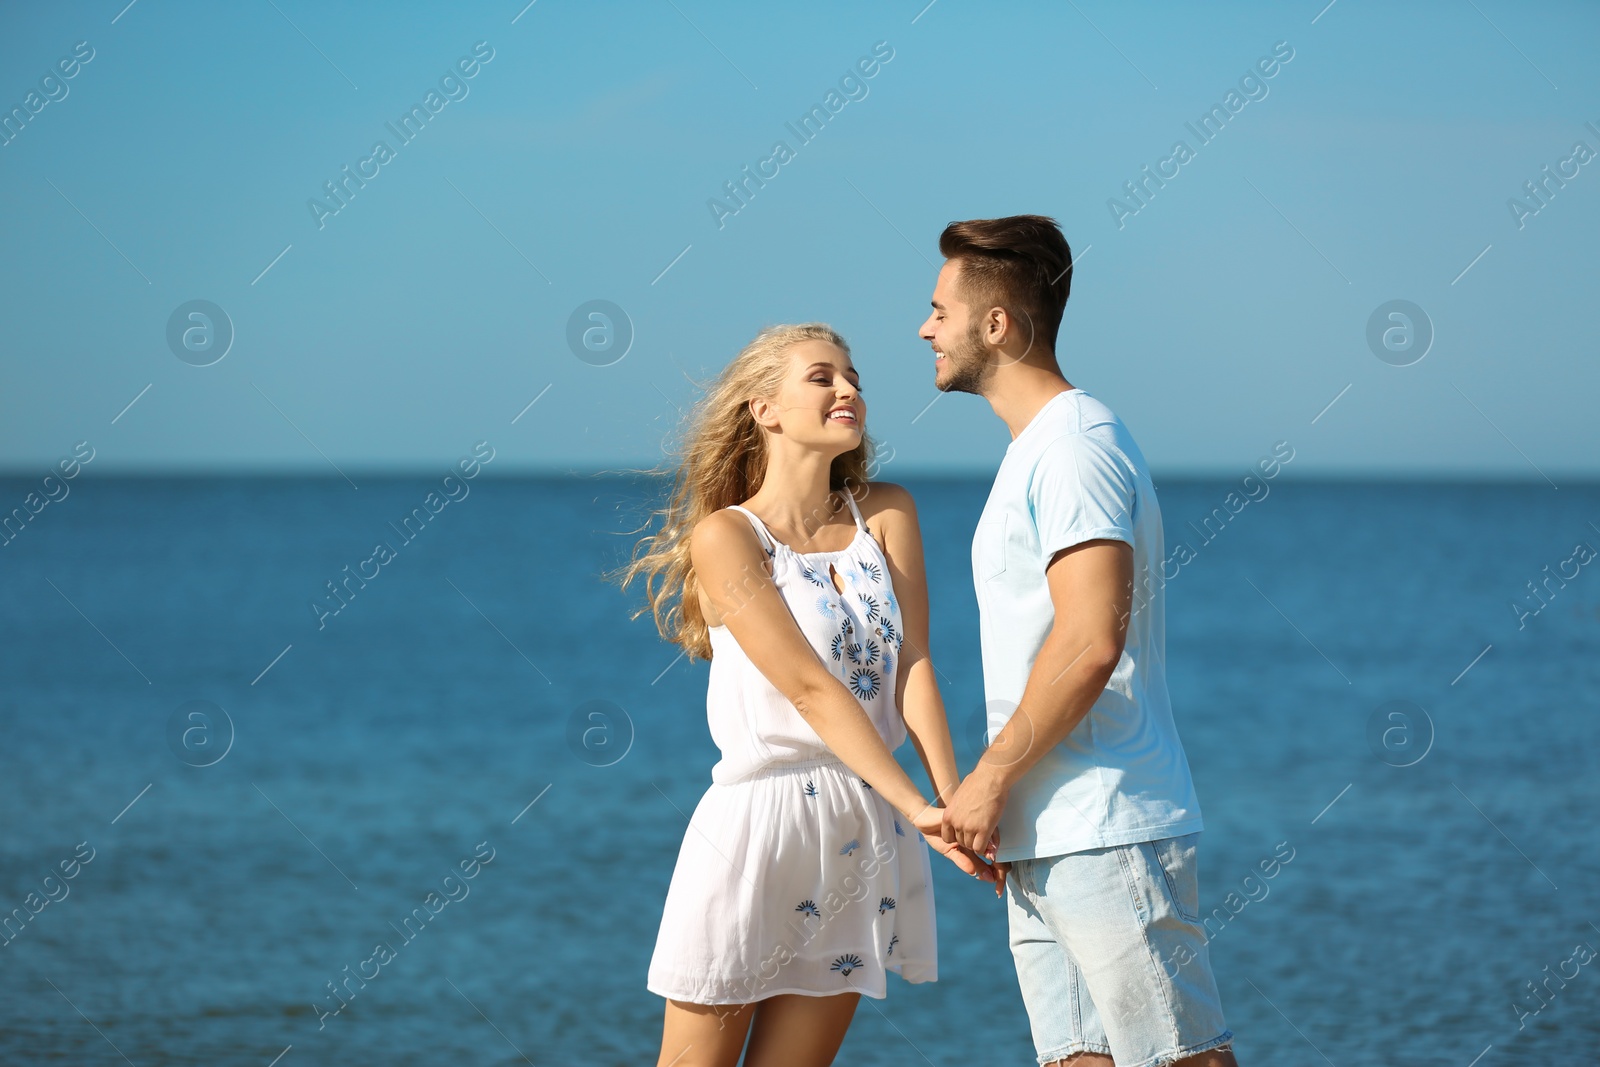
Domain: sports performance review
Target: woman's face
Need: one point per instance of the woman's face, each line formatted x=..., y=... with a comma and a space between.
x=819, y=402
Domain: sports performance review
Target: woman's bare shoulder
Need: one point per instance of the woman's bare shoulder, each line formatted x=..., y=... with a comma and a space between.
x=723, y=543
x=723, y=533
x=879, y=498
x=888, y=511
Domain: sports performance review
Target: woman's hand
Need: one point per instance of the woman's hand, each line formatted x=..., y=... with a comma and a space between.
x=930, y=822
x=962, y=857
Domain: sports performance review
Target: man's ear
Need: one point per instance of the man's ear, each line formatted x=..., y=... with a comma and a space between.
x=997, y=326
x=1002, y=327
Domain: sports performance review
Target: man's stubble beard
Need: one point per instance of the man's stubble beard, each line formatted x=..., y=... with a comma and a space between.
x=969, y=366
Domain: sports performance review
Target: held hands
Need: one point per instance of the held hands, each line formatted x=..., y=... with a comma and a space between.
x=972, y=820
x=931, y=823
x=971, y=862
x=974, y=812
x=935, y=826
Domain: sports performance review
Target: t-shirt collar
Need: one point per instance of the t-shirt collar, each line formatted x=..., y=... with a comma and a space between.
x=1039, y=415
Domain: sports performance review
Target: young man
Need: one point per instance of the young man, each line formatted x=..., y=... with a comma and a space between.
x=1085, y=777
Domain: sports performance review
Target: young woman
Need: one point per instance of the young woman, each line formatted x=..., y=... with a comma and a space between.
x=802, y=878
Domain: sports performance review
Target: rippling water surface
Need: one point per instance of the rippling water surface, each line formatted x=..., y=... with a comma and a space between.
x=370, y=757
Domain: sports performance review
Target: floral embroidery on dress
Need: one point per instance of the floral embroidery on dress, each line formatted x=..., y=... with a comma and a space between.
x=897, y=828
x=865, y=683
x=810, y=908
x=871, y=570
x=871, y=605
x=887, y=631
x=811, y=788
x=893, y=941
x=837, y=645
x=854, y=844
x=885, y=904
x=871, y=656
x=825, y=607
x=853, y=650
x=810, y=575
x=847, y=963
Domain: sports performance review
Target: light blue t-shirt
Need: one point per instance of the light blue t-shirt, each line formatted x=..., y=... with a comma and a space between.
x=1074, y=474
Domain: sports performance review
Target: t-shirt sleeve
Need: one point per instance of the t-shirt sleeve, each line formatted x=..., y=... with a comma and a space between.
x=1080, y=491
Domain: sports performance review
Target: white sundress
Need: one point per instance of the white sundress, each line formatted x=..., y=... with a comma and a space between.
x=795, y=876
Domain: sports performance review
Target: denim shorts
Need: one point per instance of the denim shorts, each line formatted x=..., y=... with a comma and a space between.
x=1111, y=955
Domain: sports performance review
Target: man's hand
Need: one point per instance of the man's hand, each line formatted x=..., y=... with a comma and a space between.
x=930, y=821
x=971, y=818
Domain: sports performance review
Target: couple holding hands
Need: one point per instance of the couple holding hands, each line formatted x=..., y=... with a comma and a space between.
x=803, y=878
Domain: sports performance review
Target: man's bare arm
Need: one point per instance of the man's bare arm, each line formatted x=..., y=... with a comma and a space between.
x=1091, y=589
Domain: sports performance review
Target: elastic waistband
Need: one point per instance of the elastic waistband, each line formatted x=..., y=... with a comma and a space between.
x=789, y=767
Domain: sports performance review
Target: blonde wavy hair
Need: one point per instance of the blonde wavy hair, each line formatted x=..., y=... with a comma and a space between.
x=720, y=459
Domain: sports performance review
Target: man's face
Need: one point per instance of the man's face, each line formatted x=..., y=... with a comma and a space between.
x=961, y=361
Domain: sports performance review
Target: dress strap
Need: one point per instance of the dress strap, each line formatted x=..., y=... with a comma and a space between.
x=851, y=500
x=762, y=532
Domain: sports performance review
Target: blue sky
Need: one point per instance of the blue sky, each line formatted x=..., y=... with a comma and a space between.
x=1228, y=313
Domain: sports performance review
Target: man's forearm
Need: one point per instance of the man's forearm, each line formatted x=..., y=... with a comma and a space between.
x=1068, y=676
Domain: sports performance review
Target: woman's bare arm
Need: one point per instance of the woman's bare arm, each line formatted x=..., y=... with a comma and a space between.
x=916, y=686
x=730, y=563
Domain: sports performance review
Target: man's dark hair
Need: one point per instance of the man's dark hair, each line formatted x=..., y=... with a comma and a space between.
x=1021, y=263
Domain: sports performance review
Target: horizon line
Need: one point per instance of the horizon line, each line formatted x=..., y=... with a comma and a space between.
x=536, y=473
